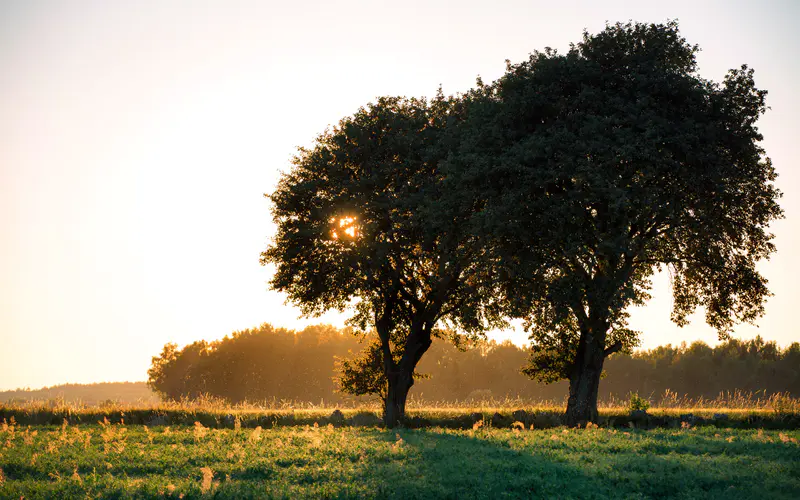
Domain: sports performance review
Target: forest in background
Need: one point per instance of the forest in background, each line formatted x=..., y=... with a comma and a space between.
x=87, y=394
x=276, y=364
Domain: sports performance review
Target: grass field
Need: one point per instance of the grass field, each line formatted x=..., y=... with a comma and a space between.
x=118, y=460
x=422, y=417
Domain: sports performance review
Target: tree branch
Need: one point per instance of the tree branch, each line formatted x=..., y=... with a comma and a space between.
x=615, y=347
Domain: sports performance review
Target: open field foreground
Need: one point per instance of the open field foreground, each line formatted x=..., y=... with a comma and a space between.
x=116, y=460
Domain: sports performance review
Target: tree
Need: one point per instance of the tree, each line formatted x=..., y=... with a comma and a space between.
x=362, y=223
x=599, y=167
x=172, y=374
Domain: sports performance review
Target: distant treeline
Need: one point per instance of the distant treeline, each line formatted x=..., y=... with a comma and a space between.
x=275, y=364
x=87, y=394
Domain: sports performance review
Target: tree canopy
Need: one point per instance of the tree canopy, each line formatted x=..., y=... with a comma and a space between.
x=553, y=195
x=360, y=224
x=599, y=167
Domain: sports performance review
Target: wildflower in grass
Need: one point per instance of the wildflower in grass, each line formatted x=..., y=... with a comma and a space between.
x=255, y=436
x=199, y=431
x=398, y=444
x=208, y=476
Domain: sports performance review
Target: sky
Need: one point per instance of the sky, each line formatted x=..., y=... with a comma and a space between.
x=137, y=140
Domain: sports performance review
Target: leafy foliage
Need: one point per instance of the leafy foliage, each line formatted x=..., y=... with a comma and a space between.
x=361, y=224
x=364, y=374
x=600, y=166
x=638, y=403
x=552, y=194
x=272, y=365
x=256, y=364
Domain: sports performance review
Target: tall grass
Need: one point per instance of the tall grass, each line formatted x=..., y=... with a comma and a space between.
x=747, y=409
x=734, y=400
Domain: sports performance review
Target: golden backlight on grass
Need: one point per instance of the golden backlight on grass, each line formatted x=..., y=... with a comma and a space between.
x=347, y=227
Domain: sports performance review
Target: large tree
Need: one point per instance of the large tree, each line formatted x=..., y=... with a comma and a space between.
x=362, y=224
x=594, y=169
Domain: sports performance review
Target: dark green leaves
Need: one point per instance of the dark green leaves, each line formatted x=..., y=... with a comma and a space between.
x=592, y=169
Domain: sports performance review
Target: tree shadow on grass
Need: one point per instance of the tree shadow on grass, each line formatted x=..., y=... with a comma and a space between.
x=434, y=464
x=441, y=464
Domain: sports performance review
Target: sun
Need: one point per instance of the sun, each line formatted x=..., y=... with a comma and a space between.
x=346, y=227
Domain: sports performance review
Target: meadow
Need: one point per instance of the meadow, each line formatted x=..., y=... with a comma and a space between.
x=115, y=458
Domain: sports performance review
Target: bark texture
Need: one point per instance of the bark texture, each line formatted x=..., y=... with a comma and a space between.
x=585, y=377
x=400, y=376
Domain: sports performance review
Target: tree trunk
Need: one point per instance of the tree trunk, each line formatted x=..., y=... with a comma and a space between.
x=585, y=380
x=394, y=410
x=401, y=378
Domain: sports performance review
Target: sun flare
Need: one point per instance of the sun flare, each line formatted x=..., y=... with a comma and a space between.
x=347, y=227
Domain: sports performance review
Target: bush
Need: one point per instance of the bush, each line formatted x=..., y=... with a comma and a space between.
x=637, y=402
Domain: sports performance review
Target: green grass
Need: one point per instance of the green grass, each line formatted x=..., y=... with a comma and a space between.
x=219, y=416
x=131, y=461
x=744, y=410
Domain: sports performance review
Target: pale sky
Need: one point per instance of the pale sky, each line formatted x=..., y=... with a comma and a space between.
x=137, y=139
